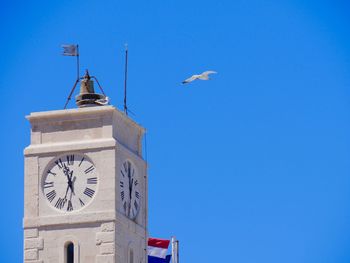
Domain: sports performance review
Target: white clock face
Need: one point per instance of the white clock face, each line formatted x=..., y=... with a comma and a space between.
x=130, y=193
x=70, y=181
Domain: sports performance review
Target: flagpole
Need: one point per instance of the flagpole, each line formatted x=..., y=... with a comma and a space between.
x=174, y=250
x=78, y=75
x=125, y=78
x=177, y=251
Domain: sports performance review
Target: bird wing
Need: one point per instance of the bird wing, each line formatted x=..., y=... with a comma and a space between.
x=203, y=77
x=208, y=72
x=104, y=101
x=190, y=79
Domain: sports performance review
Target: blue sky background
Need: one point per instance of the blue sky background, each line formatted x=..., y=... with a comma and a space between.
x=251, y=166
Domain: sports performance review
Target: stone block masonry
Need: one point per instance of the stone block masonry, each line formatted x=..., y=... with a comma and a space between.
x=105, y=239
x=32, y=244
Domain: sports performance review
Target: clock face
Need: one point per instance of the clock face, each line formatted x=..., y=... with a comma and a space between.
x=130, y=193
x=70, y=182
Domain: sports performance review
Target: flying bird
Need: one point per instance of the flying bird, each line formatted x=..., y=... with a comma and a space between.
x=203, y=76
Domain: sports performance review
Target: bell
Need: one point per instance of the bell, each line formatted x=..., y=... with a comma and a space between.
x=87, y=85
x=87, y=96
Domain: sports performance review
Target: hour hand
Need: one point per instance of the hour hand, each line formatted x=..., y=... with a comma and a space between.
x=72, y=184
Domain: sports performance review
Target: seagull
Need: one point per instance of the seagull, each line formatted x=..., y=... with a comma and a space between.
x=203, y=76
x=102, y=102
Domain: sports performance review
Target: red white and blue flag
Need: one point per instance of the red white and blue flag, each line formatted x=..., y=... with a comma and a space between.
x=157, y=250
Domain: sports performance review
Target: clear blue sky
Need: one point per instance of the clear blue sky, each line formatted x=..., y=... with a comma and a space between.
x=251, y=166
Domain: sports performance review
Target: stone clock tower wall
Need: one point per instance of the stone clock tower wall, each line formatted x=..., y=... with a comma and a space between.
x=100, y=231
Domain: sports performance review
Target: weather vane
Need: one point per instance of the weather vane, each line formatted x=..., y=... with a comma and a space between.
x=73, y=51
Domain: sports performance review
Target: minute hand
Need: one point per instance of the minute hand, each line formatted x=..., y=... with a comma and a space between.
x=130, y=188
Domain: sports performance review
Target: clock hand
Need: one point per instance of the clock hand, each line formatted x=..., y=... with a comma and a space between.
x=70, y=197
x=72, y=184
x=65, y=196
x=69, y=175
x=130, y=189
x=130, y=194
x=66, y=172
x=130, y=181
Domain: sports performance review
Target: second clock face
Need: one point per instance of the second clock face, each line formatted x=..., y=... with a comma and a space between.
x=130, y=193
x=70, y=182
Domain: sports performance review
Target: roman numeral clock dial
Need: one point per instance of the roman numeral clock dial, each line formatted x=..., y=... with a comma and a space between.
x=130, y=193
x=70, y=182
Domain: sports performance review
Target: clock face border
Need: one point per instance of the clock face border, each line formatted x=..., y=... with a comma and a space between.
x=87, y=168
x=130, y=207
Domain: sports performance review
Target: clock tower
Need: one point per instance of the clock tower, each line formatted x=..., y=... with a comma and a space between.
x=85, y=190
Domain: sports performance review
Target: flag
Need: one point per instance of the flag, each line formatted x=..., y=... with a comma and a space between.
x=157, y=250
x=70, y=50
x=159, y=260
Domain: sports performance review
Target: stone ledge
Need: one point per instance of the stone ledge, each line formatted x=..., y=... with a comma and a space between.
x=41, y=149
x=68, y=114
x=97, y=217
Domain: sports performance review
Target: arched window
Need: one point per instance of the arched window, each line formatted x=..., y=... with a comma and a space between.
x=69, y=251
x=131, y=256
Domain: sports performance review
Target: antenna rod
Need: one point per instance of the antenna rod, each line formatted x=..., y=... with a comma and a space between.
x=125, y=78
x=78, y=76
x=71, y=92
